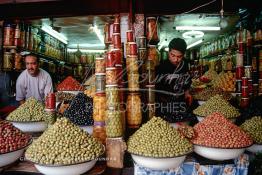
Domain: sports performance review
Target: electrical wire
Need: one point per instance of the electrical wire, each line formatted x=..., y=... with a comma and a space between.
x=203, y=5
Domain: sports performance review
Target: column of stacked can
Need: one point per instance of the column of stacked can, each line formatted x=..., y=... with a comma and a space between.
x=99, y=100
x=114, y=121
x=244, y=69
x=134, y=113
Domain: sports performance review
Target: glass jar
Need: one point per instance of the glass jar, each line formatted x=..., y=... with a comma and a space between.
x=99, y=131
x=153, y=54
x=100, y=82
x=132, y=64
x=8, y=60
x=100, y=66
x=114, y=126
x=8, y=35
x=142, y=54
x=141, y=42
x=133, y=81
x=152, y=30
x=99, y=107
x=111, y=77
x=134, y=113
x=18, y=61
x=112, y=97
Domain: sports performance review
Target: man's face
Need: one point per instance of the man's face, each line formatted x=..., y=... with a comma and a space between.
x=175, y=56
x=32, y=65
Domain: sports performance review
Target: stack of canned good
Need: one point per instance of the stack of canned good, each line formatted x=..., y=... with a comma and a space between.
x=114, y=115
x=134, y=111
x=99, y=101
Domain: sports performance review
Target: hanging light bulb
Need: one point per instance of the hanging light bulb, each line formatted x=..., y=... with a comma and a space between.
x=223, y=22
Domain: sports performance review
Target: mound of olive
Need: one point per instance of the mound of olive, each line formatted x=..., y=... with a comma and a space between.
x=31, y=110
x=62, y=144
x=158, y=139
x=80, y=110
x=217, y=104
x=253, y=127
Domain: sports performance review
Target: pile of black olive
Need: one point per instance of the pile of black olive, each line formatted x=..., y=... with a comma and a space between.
x=80, y=111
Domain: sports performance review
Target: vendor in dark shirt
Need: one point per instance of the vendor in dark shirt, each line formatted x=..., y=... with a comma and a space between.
x=172, y=84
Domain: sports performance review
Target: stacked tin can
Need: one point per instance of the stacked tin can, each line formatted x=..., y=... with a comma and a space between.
x=134, y=111
x=114, y=118
x=99, y=100
x=244, y=82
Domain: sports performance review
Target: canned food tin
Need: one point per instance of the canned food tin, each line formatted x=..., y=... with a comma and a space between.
x=134, y=112
x=239, y=60
x=241, y=47
x=248, y=71
x=238, y=98
x=244, y=102
x=114, y=126
x=244, y=81
x=117, y=56
x=116, y=28
x=239, y=72
x=127, y=49
x=254, y=63
x=112, y=96
x=8, y=60
x=119, y=75
x=18, y=61
x=50, y=101
x=133, y=48
x=111, y=76
x=142, y=54
x=133, y=81
x=8, y=35
x=99, y=108
x=110, y=59
x=117, y=40
x=255, y=90
x=245, y=91
x=150, y=93
x=100, y=65
x=100, y=82
x=129, y=36
x=132, y=64
x=238, y=86
x=141, y=42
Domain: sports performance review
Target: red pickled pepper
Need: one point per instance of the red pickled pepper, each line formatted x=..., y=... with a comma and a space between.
x=70, y=84
x=217, y=131
x=11, y=138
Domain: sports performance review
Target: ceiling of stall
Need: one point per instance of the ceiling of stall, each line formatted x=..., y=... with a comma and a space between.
x=79, y=31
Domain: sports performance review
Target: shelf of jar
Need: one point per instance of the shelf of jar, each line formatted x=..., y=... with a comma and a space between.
x=221, y=52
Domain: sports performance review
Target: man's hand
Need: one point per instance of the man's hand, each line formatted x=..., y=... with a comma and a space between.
x=21, y=102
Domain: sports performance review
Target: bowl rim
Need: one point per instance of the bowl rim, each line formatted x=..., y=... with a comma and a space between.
x=222, y=148
x=59, y=165
x=163, y=157
x=29, y=143
x=26, y=121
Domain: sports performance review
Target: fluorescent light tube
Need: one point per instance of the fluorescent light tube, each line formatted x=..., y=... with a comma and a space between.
x=55, y=34
x=86, y=50
x=194, y=44
x=197, y=28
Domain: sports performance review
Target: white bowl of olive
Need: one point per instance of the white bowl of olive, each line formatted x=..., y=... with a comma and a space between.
x=255, y=148
x=219, y=154
x=30, y=127
x=74, y=169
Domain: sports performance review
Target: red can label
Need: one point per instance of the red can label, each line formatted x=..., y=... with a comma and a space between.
x=117, y=40
x=129, y=36
x=116, y=28
x=245, y=92
x=239, y=72
x=133, y=48
x=50, y=101
x=244, y=81
x=118, y=56
x=244, y=102
x=110, y=60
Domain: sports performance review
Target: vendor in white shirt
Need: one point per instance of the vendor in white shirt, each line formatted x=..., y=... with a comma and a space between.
x=33, y=82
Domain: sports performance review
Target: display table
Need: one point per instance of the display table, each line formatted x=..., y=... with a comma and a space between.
x=192, y=167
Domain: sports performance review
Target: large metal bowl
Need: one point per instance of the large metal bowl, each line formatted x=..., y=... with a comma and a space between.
x=219, y=154
x=255, y=148
x=10, y=157
x=75, y=169
x=30, y=127
x=158, y=163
